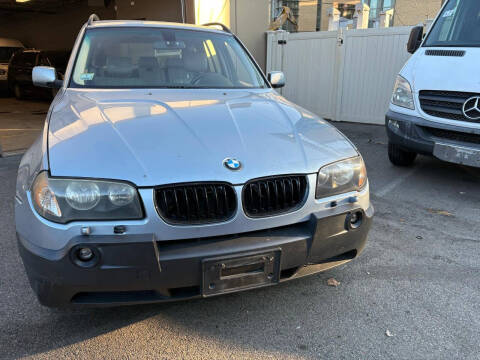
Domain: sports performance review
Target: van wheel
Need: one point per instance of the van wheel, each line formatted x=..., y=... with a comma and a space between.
x=17, y=90
x=400, y=157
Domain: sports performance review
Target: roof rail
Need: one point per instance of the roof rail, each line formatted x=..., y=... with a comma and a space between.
x=224, y=27
x=92, y=18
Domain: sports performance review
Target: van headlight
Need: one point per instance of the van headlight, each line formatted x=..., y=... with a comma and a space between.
x=341, y=177
x=64, y=200
x=402, y=94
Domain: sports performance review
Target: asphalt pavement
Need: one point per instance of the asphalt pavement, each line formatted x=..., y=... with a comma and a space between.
x=418, y=279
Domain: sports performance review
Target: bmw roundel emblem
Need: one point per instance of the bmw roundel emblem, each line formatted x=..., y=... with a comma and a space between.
x=232, y=164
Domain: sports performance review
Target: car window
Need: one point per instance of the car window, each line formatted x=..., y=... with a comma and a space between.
x=27, y=59
x=241, y=69
x=163, y=58
x=43, y=60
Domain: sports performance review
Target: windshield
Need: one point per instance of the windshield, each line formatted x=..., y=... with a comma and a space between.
x=6, y=53
x=162, y=58
x=458, y=25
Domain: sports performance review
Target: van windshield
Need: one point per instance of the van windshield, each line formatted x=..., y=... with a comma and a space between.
x=138, y=57
x=457, y=26
x=6, y=53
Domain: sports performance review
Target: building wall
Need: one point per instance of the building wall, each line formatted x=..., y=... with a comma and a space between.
x=155, y=10
x=51, y=31
x=307, y=14
x=59, y=31
x=413, y=12
x=249, y=20
x=207, y=11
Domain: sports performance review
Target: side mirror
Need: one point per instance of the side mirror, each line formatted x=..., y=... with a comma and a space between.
x=415, y=40
x=276, y=79
x=44, y=76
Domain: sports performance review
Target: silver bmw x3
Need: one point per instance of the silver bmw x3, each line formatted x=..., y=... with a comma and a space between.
x=169, y=168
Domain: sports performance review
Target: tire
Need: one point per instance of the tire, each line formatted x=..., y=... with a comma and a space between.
x=17, y=90
x=399, y=157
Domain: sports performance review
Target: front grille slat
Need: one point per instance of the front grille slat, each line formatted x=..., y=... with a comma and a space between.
x=185, y=194
x=443, y=109
x=196, y=203
x=453, y=135
x=275, y=195
x=297, y=189
x=177, y=206
x=453, y=99
x=445, y=104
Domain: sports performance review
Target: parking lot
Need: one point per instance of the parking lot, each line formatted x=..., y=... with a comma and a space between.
x=418, y=280
x=20, y=123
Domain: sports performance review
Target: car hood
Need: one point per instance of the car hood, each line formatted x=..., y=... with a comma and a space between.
x=154, y=137
x=444, y=72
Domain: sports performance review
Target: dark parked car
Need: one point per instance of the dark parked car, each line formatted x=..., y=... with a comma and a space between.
x=21, y=66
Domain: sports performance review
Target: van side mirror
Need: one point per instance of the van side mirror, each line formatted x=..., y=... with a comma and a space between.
x=45, y=76
x=415, y=40
x=276, y=79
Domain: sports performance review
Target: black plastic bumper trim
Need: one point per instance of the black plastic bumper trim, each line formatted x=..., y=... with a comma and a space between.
x=128, y=271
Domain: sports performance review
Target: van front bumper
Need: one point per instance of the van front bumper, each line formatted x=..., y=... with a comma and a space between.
x=453, y=143
x=146, y=271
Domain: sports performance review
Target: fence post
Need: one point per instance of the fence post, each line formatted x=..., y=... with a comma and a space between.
x=338, y=83
x=276, y=52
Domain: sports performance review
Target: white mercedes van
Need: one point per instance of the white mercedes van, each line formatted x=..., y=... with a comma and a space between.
x=7, y=48
x=435, y=107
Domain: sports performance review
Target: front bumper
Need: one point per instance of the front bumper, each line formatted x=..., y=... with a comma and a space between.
x=132, y=272
x=453, y=143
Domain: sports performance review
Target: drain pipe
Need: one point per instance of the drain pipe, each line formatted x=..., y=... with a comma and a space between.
x=183, y=10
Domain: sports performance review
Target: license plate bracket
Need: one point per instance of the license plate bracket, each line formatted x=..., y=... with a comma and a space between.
x=240, y=272
x=457, y=154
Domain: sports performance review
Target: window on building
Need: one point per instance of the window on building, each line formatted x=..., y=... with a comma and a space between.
x=307, y=13
x=376, y=7
x=312, y=15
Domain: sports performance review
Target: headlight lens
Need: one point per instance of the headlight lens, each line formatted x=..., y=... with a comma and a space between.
x=341, y=177
x=82, y=195
x=65, y=200
x=402, y=94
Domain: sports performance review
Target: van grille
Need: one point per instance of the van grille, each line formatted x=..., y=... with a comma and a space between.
x=274, y=195
x=197, y=203
x=453, y=135
x=445, y=104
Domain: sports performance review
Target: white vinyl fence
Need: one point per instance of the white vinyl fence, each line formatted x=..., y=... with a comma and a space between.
x=344, y=76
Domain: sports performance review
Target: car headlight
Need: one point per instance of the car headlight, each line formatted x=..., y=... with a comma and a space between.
x=341, y=177
x=65, y=200
x=402, y=94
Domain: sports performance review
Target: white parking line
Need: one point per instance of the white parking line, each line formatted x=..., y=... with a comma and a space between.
x=390, y=187
x=20, y=129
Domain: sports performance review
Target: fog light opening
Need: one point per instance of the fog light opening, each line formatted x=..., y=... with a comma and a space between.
x=85, y=254
x=355, y=220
